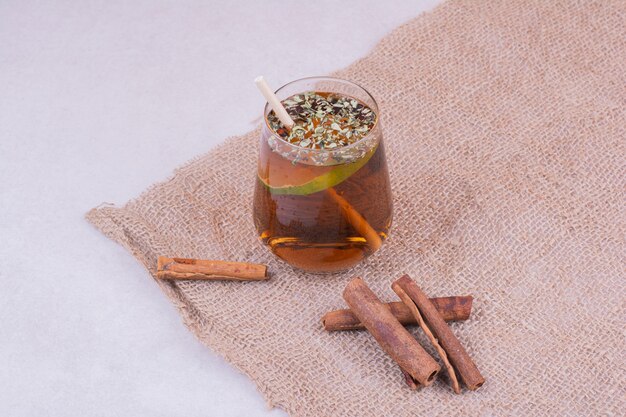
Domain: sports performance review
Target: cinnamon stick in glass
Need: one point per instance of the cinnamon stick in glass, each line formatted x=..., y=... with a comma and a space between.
x=457, y=308
x=357, y=221
x=395, y=340
x=184, y=268
x=458, y=357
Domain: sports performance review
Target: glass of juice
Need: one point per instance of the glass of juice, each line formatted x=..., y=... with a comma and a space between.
x=322, y=200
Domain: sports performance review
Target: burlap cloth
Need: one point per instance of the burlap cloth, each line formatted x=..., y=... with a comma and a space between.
x=505, y=125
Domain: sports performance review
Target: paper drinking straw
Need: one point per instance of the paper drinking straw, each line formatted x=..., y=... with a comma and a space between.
x=274, y=102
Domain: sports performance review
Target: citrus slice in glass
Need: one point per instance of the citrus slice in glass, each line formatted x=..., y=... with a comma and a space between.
x=283, y=177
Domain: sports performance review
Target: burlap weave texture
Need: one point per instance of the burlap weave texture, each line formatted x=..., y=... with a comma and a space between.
x=505, y=129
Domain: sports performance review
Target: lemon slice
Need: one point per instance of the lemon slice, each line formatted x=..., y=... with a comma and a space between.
x=309, y=179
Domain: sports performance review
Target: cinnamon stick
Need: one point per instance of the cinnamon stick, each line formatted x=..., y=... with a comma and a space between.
x=184, y=268
x=357, y=221
x=460, y=360
x=457, y=308
x=433, y=340
x=395, y=340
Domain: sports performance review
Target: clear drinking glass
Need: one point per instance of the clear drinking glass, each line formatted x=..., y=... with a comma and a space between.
x=323, y=210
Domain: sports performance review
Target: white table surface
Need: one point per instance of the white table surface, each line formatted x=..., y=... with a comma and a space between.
x=98, y=100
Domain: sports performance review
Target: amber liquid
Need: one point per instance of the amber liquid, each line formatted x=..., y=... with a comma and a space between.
x=312, y=232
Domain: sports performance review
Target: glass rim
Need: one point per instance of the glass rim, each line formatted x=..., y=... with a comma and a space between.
x=320, y=151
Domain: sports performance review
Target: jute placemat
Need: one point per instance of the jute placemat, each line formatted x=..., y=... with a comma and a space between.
x=505, y=124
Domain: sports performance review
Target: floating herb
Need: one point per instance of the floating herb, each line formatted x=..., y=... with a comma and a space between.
x=324, y=120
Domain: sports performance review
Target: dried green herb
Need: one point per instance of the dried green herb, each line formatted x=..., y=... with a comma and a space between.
x=324, y=120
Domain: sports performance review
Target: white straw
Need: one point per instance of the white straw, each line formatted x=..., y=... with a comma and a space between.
x=274, y=102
